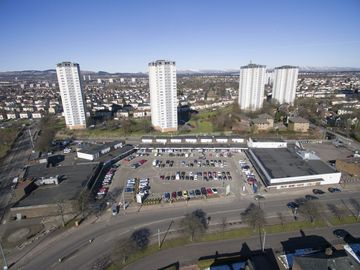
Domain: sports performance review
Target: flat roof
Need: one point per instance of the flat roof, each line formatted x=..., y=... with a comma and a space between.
x=284, y=162
x=74, y=180
x=194, y=145
x=298, y=120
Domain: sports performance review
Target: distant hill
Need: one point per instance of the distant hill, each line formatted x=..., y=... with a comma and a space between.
x=51, y=73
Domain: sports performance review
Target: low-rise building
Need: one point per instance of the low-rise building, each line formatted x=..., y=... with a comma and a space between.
x=298, y=124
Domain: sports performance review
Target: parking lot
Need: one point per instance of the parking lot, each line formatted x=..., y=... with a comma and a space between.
x=181, y=174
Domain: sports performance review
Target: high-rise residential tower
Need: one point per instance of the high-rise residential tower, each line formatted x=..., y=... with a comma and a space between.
x=163, y=95
x=251, y=87
x=71, y=93
x=284, y=87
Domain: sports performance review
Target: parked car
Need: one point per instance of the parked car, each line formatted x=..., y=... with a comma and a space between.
x=166, y=196
x=209, y=192
x=292, y=205
x=311, y=197
x=173, y=195
x=318, y=191
x=332, y=190
x=203, y=191
x=214, y=190
x=340, y=233
x=197, y=192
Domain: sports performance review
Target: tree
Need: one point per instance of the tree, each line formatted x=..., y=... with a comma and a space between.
x=254, y=216
x=336, y=210
x=84, y=201
x=281, y=218
x=223, y=224
x=140, y=238
x=61, y=211
x=195, y=223
x=310, y=210
x=355, y=204
x=47, y=133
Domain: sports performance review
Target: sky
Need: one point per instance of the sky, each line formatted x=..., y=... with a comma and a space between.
x=124, y=36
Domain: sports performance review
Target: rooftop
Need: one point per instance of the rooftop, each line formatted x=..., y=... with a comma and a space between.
x=287, y=67
x=67, y=64
x=253, y=66
x=162, y=62
x=298, y=120
x=73, y=180
x=284, y=162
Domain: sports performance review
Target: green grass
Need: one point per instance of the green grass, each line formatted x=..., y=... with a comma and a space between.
x=344, y=220
x=202, y=126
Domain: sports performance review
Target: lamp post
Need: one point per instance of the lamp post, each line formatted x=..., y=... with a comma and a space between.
x=5, y=267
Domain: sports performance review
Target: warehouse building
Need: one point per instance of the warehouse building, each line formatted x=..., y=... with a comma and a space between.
x=289, y=166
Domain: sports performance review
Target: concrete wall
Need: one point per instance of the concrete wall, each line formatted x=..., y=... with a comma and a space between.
x=329, y=178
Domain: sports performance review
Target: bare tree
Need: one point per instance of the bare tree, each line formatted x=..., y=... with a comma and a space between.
x=336, y=210
x=254, y=216
x=355, y=204
x=84, y=201
x=310, y=210
x=195, y=223
x=281, y=218
x=61, y=211
x=223, y=223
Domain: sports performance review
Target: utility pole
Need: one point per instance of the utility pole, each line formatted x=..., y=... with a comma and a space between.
x=5, y=267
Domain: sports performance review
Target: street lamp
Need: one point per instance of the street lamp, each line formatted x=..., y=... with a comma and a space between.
x=5, y=267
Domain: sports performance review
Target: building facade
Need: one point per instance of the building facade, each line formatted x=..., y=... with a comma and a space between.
x=298, y=124
x=163, y=95
x=284, y=87
x=251, y=87
x=71, y=94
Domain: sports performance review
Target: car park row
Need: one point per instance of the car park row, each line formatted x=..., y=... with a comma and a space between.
x=194, y=176
x=250, y=177
x=195, y=163
x=106, y=182
x=189, y=194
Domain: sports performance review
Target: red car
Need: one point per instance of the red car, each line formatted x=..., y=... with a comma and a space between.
x=173, y=195
x=142, y=161
x=209, y=192
x=251, y=180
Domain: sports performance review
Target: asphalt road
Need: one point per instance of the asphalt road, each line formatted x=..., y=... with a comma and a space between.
x=78, y=253
x=12, y=166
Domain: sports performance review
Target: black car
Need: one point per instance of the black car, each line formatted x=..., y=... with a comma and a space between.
x=203, y=191
x=311, y=197
x=332, y=190
x=340, y=233
x=197, y=192
x=318, y=191
x=292, y=205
